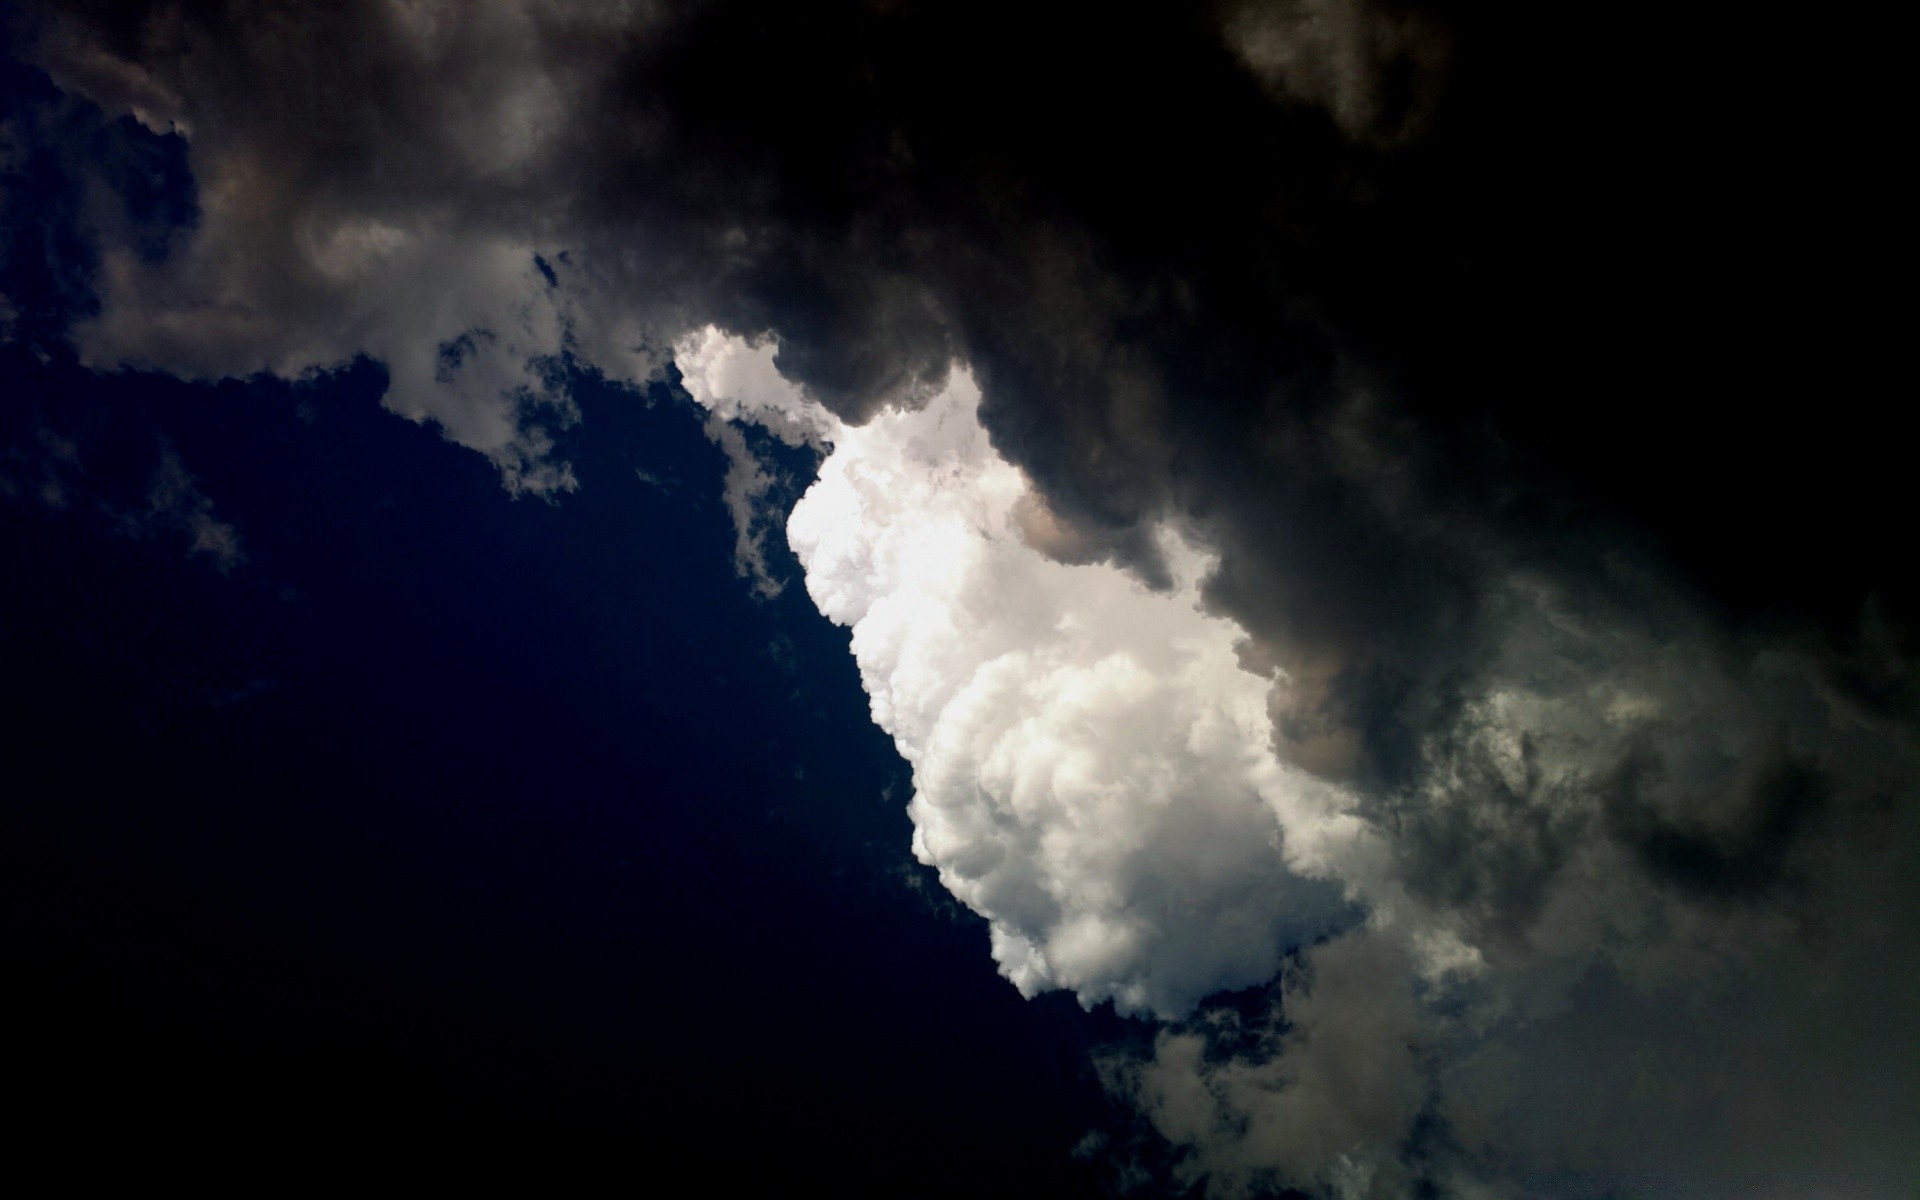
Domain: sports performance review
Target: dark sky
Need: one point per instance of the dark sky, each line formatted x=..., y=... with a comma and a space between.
x=452, y=826
x=1354, y=550
x=446, y=830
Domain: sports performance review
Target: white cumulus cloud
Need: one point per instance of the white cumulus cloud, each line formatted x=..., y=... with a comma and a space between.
x=1092, y=767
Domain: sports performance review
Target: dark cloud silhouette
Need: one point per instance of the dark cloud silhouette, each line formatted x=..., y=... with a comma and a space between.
x=1749, y=861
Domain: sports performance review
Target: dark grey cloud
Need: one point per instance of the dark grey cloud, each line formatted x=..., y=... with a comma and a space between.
x=1507, y=358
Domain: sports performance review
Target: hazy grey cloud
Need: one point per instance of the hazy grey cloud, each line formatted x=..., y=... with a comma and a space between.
x=747, y=491
x=1322, y=1098
x=1673, y=860
x=45, y=468
x=175, y=503
x=1091, y=766
x=1377, y=67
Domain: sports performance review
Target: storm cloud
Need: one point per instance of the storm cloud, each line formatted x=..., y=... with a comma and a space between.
x=1384, y=501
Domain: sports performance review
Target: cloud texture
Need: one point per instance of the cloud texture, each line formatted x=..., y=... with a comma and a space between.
x=1294, y=471
x=1630, y=857
x=1092, y=771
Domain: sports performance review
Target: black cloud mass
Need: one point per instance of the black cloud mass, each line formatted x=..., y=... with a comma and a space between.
x=1524, y=368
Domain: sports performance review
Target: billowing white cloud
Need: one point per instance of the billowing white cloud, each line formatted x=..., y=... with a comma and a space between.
x=1092, y=769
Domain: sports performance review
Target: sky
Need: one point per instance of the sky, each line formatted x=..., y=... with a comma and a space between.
x=1260, y=598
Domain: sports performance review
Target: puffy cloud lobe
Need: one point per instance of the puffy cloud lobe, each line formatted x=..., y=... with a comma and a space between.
x=738, y=380
x=1092, y=770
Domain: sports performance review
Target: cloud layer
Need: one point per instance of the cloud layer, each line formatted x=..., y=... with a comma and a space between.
x=1294, y=472
x=1630, y=857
